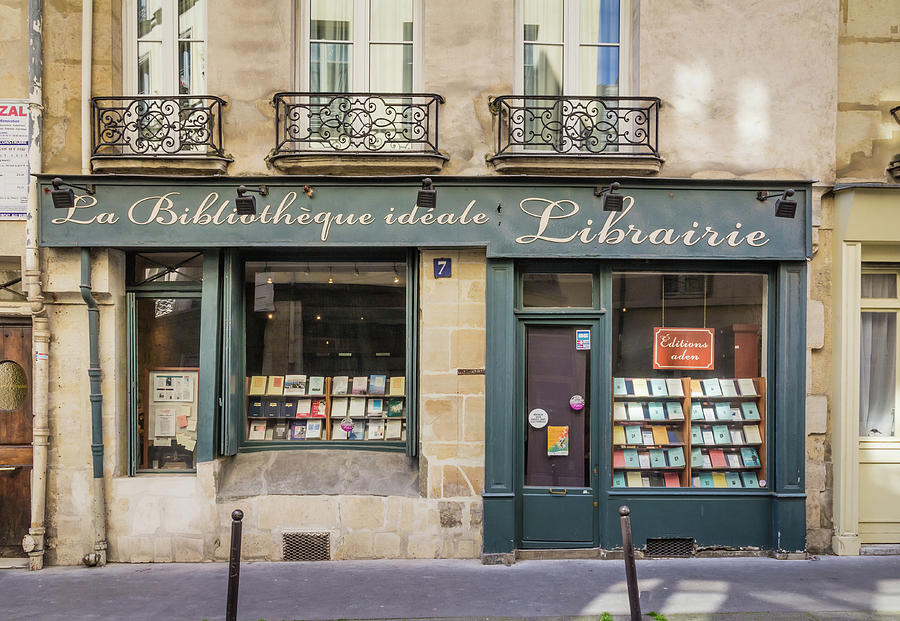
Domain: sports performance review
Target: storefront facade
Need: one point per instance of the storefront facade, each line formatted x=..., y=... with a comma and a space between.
x=346, y=363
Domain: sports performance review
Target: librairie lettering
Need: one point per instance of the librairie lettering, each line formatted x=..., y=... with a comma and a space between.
x=553, y=221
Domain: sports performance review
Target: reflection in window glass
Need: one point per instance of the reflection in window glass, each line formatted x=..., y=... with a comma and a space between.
x=551, y=290
x=167, y=267
x=168, y=352
x=326, y=344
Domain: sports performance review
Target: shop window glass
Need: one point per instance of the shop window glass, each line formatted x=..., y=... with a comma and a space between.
x=168, y=267
x=168, y=362
x=326, y=352
x=689, y=386
x=878, y=370
x=552, y=290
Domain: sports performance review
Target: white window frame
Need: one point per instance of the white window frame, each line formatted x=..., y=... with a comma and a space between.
x=571, y=44
x=170, y=71
x=884, y=305
x=360, y=41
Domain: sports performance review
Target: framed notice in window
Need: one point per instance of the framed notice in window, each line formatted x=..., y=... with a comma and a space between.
x=170, y=428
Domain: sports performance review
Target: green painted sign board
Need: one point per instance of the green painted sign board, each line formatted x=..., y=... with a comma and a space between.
x=680, y=219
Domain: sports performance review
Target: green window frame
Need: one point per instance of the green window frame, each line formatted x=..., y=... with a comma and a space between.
x=206, y=289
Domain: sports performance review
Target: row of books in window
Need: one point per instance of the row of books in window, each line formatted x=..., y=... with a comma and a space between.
x=387, y=430
x=724, y=411
x=354, y=407
x=745, y=479
x=652, y=411
x=722, y=434
x=654, y=435
x=652, y=459
x=714, y=458
x=316, y=385
x=672, y=387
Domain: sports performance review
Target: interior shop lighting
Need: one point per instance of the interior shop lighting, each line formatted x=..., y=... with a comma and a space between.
x=427, y=197
x=396, y=275
x=246, y=205
x=609, y=200
x=785, y=206
x=65, y=199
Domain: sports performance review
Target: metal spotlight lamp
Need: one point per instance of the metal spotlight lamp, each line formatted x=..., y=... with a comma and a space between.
x=246, y=205
x=609, y=200
x=65, y=198
x=785, y=205
x=427, y=197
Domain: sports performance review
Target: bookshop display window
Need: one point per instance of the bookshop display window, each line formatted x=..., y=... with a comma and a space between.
x=689, y=389
x=326, y=352
x=164, y=302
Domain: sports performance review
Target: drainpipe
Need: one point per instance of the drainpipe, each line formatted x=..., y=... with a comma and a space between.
x=98, y=556
x=33, y=542
x=87, y=61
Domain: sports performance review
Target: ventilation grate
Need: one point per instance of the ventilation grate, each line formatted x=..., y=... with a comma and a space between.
x=306, y=546
x=673, y=546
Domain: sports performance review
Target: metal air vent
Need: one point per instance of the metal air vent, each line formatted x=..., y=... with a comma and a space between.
x=673, y=546
x=306, y=546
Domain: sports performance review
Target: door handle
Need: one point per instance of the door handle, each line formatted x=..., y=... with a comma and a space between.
x=6, y=468
x=560, y=492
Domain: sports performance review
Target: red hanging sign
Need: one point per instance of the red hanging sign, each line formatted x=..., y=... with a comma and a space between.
x=683, y=348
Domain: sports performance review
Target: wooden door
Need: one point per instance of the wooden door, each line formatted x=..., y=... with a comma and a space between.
x=15, y=437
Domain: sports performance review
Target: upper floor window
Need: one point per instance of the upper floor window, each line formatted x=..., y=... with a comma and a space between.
x=573, y=47
x=165, y=51
x=359, y=46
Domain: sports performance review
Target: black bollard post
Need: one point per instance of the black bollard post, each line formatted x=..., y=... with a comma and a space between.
x=234, y=566
x=634, y=596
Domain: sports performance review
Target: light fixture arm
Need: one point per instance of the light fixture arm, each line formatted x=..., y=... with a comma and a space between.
x=262, y=190
x=762, y=196
x=58, y=183
x=600, y=190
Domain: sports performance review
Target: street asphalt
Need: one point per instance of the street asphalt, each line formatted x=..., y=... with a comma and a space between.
x=832, y=588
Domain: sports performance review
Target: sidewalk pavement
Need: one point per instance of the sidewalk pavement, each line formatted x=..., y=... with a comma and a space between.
x=853, y=588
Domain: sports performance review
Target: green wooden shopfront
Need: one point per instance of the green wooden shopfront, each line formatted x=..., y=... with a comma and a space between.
x=652, y=357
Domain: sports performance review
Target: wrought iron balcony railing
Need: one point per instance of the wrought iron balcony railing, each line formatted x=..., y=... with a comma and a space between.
x=359, y=123
x=580, y=126
x=150, y=126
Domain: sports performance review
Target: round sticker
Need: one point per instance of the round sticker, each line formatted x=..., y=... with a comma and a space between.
x=347, y=424
x=537, y=418
x=762, y=482
x=576, y=402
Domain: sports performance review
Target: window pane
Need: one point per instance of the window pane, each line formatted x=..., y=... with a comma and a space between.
x=390, y=68
x=331, y=19
x=150, y=68
x=544, y=21
x=878, y=286
x=599, y=71
x=599, y=21
x=329, y=67
x=168, y=349
x=159, y=267
x=192, y=19
x=191, y=68
x=390, y=20
x=311, y=329
x=688, y=362
x=877, y=374
x=557, y=290
x=149, y=19
x=543, y=69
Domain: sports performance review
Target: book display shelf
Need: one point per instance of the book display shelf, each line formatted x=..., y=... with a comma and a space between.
x=683, y=432
x=367, y=408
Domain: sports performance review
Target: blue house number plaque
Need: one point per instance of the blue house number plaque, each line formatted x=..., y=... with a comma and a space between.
x=442, y=268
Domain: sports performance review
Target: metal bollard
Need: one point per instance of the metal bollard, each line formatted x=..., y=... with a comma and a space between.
x=234, y=566
x=634, y=596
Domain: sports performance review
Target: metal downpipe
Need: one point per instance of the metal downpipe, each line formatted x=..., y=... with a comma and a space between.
x=98, y=556
x=33, y=542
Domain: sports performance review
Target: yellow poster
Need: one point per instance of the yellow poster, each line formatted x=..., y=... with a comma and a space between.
x=558, y=441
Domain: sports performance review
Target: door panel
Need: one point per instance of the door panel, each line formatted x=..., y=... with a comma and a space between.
x=15, y=437
x=557, y=494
